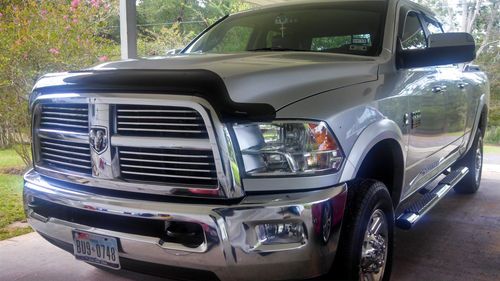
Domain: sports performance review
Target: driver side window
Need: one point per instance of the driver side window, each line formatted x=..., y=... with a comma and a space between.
x=413, y=37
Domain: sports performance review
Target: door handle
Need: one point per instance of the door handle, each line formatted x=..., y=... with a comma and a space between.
x=439, y=89
x=462, y=85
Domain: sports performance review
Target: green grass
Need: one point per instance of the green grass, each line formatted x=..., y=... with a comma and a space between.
x=492, y=149
x=492, y=136
x=11, y=206
x=10, y=159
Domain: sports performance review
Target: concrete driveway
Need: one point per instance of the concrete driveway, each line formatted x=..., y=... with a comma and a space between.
x=458, y=240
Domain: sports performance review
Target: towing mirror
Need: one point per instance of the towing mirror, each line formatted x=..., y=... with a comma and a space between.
x=443, y=49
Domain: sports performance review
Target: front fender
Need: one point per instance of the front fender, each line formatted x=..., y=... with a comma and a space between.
x=376, y=132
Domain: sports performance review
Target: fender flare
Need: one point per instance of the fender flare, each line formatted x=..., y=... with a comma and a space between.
x=373, y=134
x=479, y=112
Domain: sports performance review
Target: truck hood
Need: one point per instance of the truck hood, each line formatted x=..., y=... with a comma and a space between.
x=277, y=79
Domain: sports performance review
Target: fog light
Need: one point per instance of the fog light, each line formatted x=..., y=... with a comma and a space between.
x=280, y=233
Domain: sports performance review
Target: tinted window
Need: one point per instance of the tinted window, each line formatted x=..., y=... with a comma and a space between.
x=413, y=36
x=235, y=39
x=360, y=42
x=352, y=28
x=433, y=27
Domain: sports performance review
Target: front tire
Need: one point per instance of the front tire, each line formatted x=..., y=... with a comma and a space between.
x=366, y=241
x=474, y=161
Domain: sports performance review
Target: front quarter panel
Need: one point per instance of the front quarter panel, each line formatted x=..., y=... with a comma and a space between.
x=360, y=116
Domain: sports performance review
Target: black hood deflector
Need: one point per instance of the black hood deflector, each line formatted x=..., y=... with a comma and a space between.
x=201, y=83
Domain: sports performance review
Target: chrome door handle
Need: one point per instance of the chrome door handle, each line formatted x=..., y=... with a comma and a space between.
x=462, y=85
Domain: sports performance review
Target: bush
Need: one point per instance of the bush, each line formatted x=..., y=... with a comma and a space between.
x=492, y=136
x=38, y=37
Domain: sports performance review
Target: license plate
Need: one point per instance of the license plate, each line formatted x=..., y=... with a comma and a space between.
x=96, y=249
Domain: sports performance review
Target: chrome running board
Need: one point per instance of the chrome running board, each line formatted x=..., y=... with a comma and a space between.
x=418, y=209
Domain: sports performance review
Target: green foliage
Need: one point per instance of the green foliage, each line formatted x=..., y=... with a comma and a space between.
x=11, y=206
x=38, y=37
x=10, y=159
x=167, y=25
x=492, y=136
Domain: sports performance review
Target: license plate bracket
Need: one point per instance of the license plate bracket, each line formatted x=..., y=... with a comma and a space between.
x=96, y=249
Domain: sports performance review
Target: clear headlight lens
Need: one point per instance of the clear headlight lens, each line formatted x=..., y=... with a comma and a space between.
x=288, y=148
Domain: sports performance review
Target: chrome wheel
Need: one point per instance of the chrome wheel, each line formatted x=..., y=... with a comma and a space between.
x=479, y=160
x=374, y=248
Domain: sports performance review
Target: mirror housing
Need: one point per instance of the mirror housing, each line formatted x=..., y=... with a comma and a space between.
x=173, y=52
x=443, y=49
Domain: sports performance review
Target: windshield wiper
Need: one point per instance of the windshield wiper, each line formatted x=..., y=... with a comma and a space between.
x=277, y=49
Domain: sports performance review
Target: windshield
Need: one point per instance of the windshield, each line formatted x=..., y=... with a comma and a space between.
x=346, y=27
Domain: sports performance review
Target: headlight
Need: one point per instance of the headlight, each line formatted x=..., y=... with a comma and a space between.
x=288, y=148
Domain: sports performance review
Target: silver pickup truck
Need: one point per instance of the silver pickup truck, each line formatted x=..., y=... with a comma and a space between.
x=285, y=142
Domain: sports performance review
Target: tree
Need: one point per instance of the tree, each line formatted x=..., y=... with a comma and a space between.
x=38, y=37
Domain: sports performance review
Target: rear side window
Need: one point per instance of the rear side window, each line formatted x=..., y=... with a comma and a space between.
x=413, y=36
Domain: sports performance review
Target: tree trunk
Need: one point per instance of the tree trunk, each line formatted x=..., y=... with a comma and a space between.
x=489, y=28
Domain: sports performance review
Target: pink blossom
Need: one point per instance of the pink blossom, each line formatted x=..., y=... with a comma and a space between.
x=1, y=15
x=75, y=3
x=95, y=3
x=103, y=58
x=75, y=20
x=65, y=17
x=67, y=27
x=44, y=12
x=54, y=51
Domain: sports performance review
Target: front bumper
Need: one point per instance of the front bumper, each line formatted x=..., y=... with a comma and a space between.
x=231, y=249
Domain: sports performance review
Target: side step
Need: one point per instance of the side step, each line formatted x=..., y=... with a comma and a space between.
x=418, y=209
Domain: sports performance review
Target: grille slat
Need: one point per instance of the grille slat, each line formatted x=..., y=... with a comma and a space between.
x=168, y=175
x=65, y=117
x=168, y=169
x=160, y=117
x=65, y=151
x=63, y=163
x=160, y=121
x=64, y=114
x=65, y=157
x=169, y=166
x=167, y=162
x=70, y=119
x=63, y=125
x=159, y=124
x=51, y=143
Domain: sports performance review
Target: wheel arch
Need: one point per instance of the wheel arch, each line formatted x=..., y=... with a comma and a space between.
x=381, y=140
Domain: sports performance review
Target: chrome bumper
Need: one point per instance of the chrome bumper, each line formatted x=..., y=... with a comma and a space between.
x=231, y=249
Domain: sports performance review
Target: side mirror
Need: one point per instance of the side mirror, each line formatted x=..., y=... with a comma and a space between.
x=173, y=52
x=443, y=49
x=472, y=68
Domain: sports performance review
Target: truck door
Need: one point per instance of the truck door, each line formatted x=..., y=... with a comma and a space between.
x=454, y=90
x=427, y=101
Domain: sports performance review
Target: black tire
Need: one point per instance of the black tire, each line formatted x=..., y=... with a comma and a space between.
x=365, y=197
x=474, y=161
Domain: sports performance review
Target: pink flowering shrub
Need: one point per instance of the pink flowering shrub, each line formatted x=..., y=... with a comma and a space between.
x=39, y=37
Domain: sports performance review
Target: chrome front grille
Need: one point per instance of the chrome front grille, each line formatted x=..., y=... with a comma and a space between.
x=170, y=166
x=160, y=121
x=60, y=153
x=66, y=155
x=65, y=117
x=154, y=144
